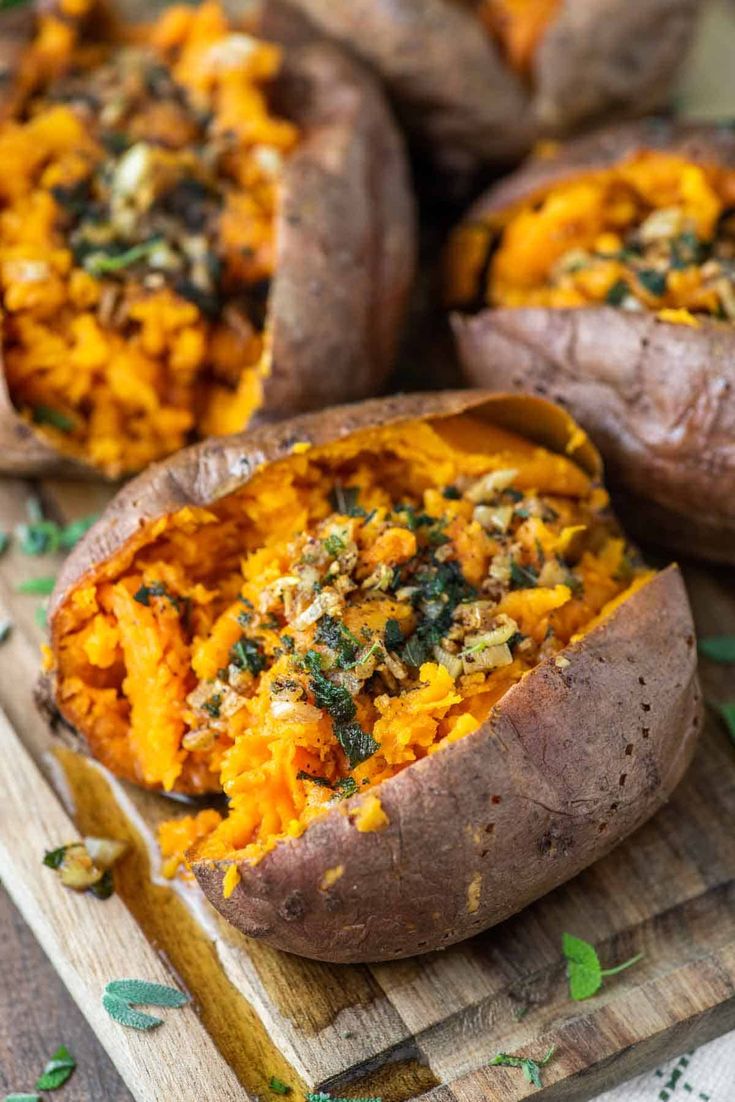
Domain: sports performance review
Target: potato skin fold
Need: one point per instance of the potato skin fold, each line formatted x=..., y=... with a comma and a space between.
x=345, y=233
x=657, y=398
x=478, y=830
x=482, y=828
x=465, y=103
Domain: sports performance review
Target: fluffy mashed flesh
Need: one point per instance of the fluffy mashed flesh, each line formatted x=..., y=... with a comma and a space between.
x=138, y=195
x=655, y=232
x=518, y=26
x=352, y=609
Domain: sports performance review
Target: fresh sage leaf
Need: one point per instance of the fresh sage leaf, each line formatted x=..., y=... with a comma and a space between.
x=57, y=1071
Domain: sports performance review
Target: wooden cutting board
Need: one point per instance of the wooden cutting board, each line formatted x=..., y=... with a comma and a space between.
x=422, y=1027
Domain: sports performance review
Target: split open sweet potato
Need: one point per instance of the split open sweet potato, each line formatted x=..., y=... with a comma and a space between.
x=603, y=276
x=408, y=642
x=199, y=227
x=481, y=80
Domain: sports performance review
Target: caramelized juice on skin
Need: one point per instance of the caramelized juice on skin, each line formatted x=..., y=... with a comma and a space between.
x=171, y=928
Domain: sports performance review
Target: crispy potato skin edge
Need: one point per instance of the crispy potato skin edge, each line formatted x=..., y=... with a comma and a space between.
x=569, y=763
x=657, y=398
x=346, y=232
x=457, y=93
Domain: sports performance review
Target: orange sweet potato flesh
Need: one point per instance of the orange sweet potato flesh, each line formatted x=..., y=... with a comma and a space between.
x=319, y=617
x=107, y=370
x=651, y=378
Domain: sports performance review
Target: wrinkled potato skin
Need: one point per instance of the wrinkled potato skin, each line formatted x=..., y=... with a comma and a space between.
x=345, y=235
x=657, y=398
x=467, y=106
x=498, y=818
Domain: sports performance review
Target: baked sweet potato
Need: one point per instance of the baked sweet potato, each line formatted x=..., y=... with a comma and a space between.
x=482, y=80
x=602, y=276
x=409, y=644
x=198, y=227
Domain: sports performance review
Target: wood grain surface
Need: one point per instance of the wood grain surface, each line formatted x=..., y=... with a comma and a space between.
x=422, y=1027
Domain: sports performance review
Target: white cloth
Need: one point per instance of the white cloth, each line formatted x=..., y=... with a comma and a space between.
x=707, y=1075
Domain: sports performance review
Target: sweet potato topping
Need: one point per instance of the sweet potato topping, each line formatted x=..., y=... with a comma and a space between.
x=350, y=610
x=655, y=232
x=518, y=26
x=137, y=204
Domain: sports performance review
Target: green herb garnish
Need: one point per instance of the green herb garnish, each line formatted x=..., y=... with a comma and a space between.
x=54, y=858
x=393, y=635
x=451, y=493
x=343, y=499
x=57, y=1071
x=42, y=536
x=334, y=545
x=156, y=589
x=18, y=1097
x=213, y=705
x=41, y=617
x=522, y=577
x=584, y=970
x=334, y=699
x=105, y=886
x=278, y=1086
x=530, y=1068
x=334, y=634
x=718, y=648
x=99, y=263
x=653, y=281
x=121, y=996
x=40, y=587
x=6, y=626
x=247, y=654
x=4, y=542
x=47, y=415
x=617, y=293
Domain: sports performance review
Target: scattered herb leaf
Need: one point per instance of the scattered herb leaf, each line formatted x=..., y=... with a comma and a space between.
x=584, y=970
x=393, y=635
x=6, y=626
x=18, y=1097
x=53, y=858
x=122, y=1012
x=278, y=1086
x=4, y=542
x=41, y=617
x=522, y=577
x=334, y=545
x=156, y=589
x=247, y=654
x=121, y=996
x=47, y=415
x=143, y=993
x=58, y=1069
x=530, y=1068
x=99, y=263
x=40, y=587
x=617, y=293
x=105, y=887
x=653, y=281
x=718, y=648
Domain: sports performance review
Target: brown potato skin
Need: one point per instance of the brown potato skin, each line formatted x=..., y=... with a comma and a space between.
x=467, y=106
x=657, y=398
x=527, y=801
x=346, y=238
x=544, y=788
